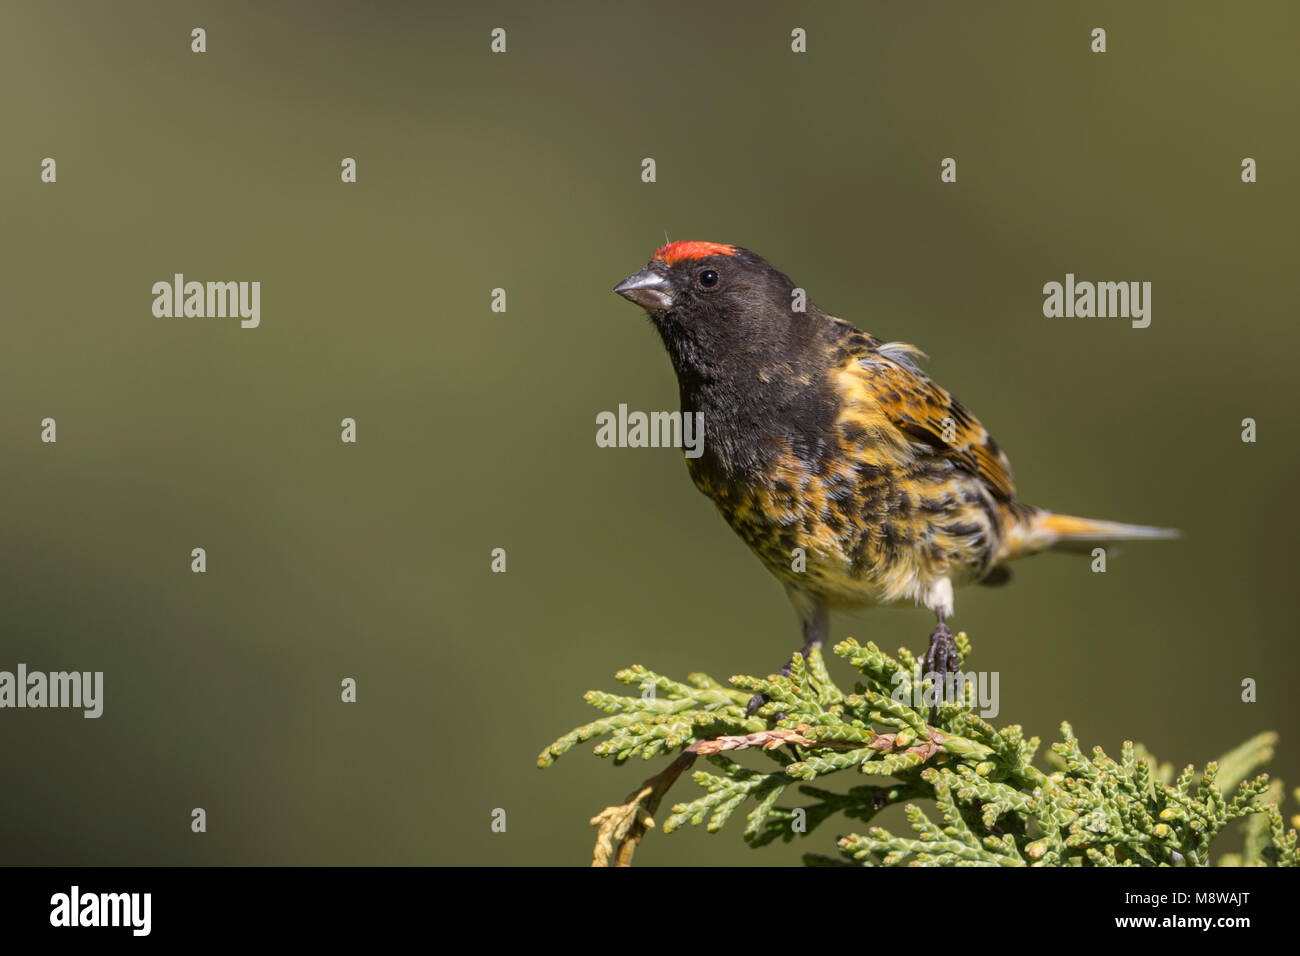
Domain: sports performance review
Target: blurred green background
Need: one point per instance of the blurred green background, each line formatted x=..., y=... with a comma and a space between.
x=476, y=429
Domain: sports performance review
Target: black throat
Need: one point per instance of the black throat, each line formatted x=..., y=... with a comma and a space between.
x=760, y=399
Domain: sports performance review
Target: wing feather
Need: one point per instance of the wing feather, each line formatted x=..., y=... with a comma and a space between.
x=930, y=418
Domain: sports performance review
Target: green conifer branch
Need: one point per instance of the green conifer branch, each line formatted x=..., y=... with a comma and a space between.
x=992, y=806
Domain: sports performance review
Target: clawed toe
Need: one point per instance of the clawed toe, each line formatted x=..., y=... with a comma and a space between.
x=941, y=660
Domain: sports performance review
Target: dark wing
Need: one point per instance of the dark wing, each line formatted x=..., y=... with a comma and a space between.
x=930, y=418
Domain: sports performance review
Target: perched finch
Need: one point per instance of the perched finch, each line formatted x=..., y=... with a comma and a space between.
x=820, y=437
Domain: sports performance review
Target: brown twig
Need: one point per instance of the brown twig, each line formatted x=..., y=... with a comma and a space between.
x=622, y=827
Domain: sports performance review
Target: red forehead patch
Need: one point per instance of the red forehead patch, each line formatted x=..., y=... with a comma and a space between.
x=676, y=252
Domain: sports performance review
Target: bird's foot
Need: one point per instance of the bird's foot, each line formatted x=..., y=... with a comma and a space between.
x=758, y=700
x=941, y=660
x=812, y=641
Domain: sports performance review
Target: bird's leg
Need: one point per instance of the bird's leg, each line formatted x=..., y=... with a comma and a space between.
x=941, y=660
x=816, y=625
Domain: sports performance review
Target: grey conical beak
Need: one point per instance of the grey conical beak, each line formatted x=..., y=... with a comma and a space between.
x=647, y=289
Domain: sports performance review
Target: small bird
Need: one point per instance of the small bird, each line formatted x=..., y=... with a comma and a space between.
x=854, y=478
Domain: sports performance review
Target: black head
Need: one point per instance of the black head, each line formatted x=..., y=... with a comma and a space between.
x=749, y=351
x=716, y=305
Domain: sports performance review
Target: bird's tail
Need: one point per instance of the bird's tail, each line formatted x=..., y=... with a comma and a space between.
x=1031, y=530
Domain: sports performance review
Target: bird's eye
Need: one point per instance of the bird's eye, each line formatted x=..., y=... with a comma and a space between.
x=708, y=278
